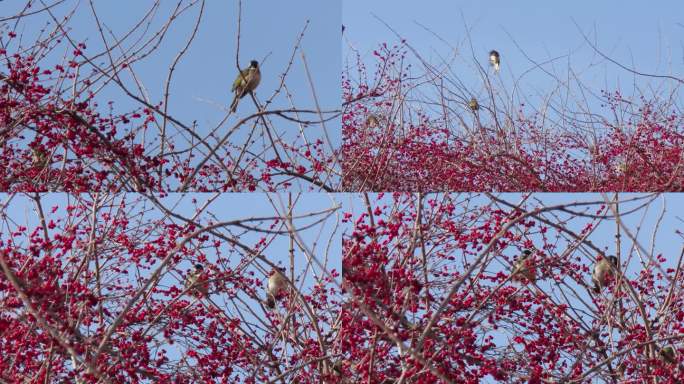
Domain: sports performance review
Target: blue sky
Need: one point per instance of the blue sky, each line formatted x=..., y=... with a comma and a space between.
x=646, y=36
x=203, y=78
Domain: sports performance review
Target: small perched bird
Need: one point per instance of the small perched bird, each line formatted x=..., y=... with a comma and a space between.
x=246, y=82
x=197, y=282
x=276, y=283
x=603, y=269
x=38, y=158
x=524, y=268
x=668, y=354
x=494, y=59
x=372, y=121
x=473, y=104
x=621, y=167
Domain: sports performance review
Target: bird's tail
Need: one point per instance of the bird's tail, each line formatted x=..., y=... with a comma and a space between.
x=496, y=67
x=270, y=301
x=234, y=104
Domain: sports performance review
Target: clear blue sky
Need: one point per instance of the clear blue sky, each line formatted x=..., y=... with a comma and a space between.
x=648, y=35
x=203, y=78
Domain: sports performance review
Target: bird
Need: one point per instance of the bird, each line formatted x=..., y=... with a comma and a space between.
x=668, y=354
x=245, y=82
x=494, y=59
x=38, y=158
x=372, y=121
x=621, y=167
x=276, y=283
x=196, y=281
x=473, y=104
x=602, y=270
x=524, y=268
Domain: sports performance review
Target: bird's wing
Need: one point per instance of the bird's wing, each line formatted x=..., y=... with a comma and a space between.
x=240, y=79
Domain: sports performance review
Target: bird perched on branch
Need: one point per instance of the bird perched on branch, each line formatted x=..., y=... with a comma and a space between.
x=196, y=281
x=245, y=82
x=668, y=354
x=473, y=104
x=372, y=121
x=524, y=269
x=494, y=60
x=621, y=167
x=276, y=283
x=39, y=158
x=603, y=269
